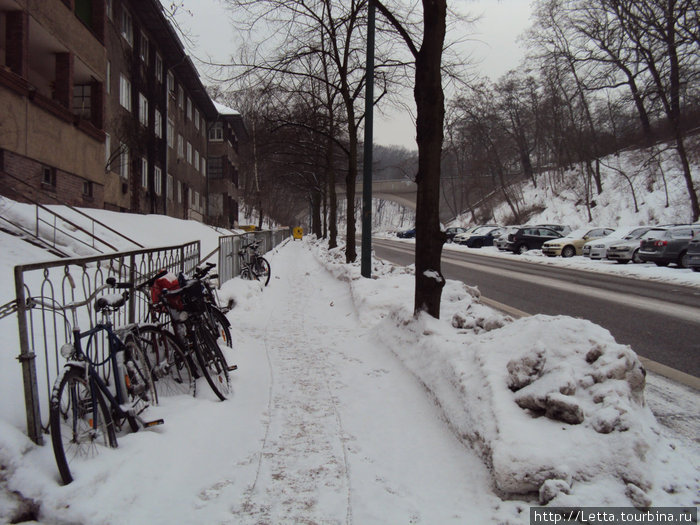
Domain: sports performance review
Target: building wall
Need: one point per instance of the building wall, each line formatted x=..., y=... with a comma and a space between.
x=46, y=51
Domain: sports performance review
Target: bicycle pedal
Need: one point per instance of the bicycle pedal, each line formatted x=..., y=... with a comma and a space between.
x=154, y=423
x=232, y=368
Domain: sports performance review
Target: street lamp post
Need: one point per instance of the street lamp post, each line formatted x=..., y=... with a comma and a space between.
x=366, y=259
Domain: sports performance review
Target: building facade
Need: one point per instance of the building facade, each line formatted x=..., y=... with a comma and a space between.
x=107, y=110
x=52, y=73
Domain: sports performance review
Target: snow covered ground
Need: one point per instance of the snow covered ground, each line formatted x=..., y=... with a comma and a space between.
x=347, y=409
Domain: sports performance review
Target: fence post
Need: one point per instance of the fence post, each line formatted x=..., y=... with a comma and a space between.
x=132, y=295
x=26, y=358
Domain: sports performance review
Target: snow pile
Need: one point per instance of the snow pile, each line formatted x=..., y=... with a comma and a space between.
x=553, y=405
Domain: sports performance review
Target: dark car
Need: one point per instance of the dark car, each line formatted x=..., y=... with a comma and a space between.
x=693, y=254
x=669, y=247
x=451, y=232
x=483, y=236
x=407, y=234
x=530, y=238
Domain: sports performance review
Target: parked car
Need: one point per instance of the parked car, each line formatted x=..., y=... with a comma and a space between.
x=598, y=248
x=501, y=241
x=694, y=254
x=451, y=232
x=561, y=228
x=669, y=247
x=482, y=236
x=573, y=243
x=407, y=234
x=460, y=238
x=627, y=248
x=530, y=238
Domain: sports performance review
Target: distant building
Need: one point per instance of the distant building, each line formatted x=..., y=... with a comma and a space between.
x=224, y=165
x=105, y=109
x=52, y=74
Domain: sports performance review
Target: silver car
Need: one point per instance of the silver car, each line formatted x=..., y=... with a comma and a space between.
x=598, y=248
x=626, y=250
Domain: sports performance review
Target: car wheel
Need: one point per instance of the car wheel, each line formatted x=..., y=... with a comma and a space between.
x=661, y=263
x=568, y=251
x=636, y=259
x=696, y=268
x=683, y=260
x=522, y=249
x=622, y=261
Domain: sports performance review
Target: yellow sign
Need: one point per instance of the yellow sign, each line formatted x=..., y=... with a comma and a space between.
x=248, y=228
x=298, y=232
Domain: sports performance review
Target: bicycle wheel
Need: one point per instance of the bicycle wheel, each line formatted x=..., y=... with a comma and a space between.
x=168, y=363
x=261, y=269
x=221, y=325
x=212, y=362
x=247, y=273
x=139, y=384
x=79, y=421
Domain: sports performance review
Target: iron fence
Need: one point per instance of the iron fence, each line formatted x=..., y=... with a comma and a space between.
x=42, y=330
x=229, y=263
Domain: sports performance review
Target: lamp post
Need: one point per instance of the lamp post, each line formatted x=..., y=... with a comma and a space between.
x=366, y=259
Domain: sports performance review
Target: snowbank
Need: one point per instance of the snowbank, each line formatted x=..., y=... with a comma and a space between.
x=554, y=405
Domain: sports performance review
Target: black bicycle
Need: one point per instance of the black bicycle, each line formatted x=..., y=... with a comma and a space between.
x=88, y=408
x=253, y=264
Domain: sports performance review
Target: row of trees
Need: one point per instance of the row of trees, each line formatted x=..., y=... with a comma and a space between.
x=602, y=75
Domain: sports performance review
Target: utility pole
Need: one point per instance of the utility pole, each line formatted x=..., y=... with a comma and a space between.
x=366, y=259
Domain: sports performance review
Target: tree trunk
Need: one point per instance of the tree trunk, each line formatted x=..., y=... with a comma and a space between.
x=350, y=249
x=332, y=197
x=430, y=106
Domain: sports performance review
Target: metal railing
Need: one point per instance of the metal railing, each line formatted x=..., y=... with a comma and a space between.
x=229, y=263
x=43, y=330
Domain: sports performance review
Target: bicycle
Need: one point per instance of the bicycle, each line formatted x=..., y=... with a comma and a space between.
x=254, y=265
x=187, y=310
x=221, y=326
x=84, y=411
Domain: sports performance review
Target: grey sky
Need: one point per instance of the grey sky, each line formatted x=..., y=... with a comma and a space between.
x=492, y=42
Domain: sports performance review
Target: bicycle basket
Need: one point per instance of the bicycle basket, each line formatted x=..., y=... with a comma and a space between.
x=167, y=282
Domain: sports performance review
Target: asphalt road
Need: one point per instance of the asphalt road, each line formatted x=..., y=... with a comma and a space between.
x=660, y=321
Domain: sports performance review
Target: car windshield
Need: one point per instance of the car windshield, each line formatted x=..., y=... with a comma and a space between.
x=654, y=233
x=578, y=234
x=635, y=234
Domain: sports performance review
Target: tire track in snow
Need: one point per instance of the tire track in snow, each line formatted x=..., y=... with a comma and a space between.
x=302, y=474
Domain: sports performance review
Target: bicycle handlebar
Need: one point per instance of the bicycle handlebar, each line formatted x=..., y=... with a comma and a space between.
x=35, y=301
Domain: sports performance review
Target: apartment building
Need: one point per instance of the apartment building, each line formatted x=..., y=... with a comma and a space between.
x=106, y=109
x=52, y=74
x=225, y=135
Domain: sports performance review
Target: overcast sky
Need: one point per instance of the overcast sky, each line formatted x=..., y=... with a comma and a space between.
x=492, y=41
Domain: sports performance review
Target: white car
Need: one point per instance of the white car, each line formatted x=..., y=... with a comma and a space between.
x=598, y=248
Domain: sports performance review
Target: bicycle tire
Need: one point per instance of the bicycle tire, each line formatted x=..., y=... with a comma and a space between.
x=221, y=325
x=72, y=422
x=212, y=362
x=141, y=392
x=168, y=363
x=261, y=269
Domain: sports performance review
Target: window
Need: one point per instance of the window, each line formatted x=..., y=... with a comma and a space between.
x=108, y=148
x=189, y=108
x=144, y=172
x=216, y=133
x=189, y=152
x=196, y=202
x=143, y=48
x=169, y=187
x=158, y=180
x=109, y=9
x=180, y=146
x=124, y=162
x=216, y=167
x=196, y=118
x=180, y=96
x=171, y=83
x=159, y=67
x=196, y=159
x=108, y=88
x=81, y=101
x=204, y=167
x=179, y=192
x=124, y=92
x=171, y=133
x=48, y=177
x=158, y=123
x=143, y=109
x=87, y=188
x=127, y=27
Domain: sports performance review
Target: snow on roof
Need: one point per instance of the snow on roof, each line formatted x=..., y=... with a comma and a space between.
x=224, y=110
